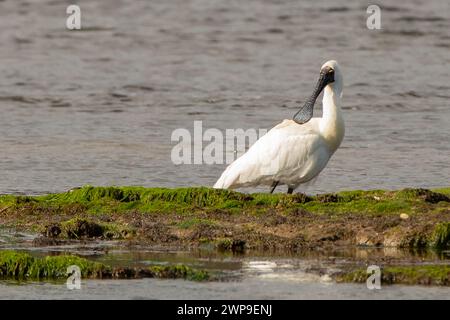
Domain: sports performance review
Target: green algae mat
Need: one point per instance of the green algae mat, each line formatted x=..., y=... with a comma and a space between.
x=229, y=220
x=23, y=266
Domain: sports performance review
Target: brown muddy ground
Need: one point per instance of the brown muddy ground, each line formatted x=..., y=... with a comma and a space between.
x=274, y=229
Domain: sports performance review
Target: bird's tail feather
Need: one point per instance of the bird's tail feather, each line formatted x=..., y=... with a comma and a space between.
x=227, y=179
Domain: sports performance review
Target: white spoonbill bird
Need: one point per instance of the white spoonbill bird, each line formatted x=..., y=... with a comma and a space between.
x=295, y=151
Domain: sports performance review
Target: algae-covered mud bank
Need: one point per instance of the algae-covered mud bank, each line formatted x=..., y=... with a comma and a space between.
x=232, y=221
x=22, y=266
x=222, y=237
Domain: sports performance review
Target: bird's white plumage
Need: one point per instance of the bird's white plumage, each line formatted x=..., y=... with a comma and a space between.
x=291, y=153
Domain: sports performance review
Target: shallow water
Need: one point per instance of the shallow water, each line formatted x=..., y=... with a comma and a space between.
x=256, y=275
x=251, y=288
x=99, y=106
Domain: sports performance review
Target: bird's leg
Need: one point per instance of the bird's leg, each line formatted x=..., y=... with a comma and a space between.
x=290, y=190
x=274, y=185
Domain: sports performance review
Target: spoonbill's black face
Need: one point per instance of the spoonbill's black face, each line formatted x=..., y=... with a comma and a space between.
x=328, y=74
x=306, y=112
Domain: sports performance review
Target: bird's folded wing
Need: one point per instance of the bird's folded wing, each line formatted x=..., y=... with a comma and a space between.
x=283, y=150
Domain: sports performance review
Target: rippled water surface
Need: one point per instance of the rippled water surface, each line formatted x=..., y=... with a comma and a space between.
x=98, y=106
x=252, y=288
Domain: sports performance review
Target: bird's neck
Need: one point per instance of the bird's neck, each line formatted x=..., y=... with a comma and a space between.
x=332, y=123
